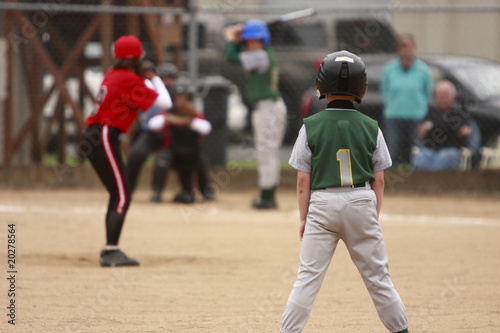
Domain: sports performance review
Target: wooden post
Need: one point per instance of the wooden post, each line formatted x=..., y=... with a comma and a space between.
x=154, y=35
x=9, y=101
x=36, y=153
x=61, y=135
x=48, y=130
x=179, y=47
x=133, y=21
x=106, y=38
x=32, y=77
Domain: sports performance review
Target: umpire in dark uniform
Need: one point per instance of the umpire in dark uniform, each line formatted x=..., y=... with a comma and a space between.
x=185, y=153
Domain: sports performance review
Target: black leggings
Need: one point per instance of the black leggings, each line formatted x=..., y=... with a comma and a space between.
x=145, y=144
x=102, y=147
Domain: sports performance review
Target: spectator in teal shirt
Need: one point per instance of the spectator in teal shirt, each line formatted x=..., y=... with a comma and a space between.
x=407, y=88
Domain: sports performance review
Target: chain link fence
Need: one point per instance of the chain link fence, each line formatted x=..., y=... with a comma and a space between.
x=53, y=55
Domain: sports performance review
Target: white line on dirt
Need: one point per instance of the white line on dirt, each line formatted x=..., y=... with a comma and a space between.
x=15, y=209
x=424, y=219
x=399, y=218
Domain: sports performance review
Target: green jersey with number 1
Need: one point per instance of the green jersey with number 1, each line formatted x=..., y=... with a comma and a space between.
x=342, y=143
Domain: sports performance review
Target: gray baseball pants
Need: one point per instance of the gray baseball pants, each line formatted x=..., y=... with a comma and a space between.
x=269, y=120
x=349, y=214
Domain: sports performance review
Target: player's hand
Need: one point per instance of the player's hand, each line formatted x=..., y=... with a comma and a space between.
x=232, y=33
x=148, y=74
x=148, y=69
x=302, y=228
x=464, y=131
x=424, y=127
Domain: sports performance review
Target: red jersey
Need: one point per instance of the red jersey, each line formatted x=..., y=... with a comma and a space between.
x=121, y=95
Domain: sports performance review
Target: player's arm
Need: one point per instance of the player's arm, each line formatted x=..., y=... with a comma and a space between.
x=384, y=84
x=464, y=130
x=378, y=187
x=232, y=35
x=429, y=85
x=423, y=128
x=464, y=127
x=301, y=160
x=256, y=60
x=381, y=160
x=303, y=196
x=159, y=122
x=163, y=100
x=201, y=126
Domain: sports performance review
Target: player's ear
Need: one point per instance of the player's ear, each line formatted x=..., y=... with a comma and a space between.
x=360, y=99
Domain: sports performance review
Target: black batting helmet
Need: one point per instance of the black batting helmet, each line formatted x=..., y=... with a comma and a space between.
x=342, y=73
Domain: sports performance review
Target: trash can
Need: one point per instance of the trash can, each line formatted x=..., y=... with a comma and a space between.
x=214, y=92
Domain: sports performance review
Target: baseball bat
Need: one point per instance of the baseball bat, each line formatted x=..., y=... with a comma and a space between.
x=294, y=16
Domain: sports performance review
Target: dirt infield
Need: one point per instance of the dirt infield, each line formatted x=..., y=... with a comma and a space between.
x=222, y=267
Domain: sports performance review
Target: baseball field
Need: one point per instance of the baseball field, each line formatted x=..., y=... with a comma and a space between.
x=223, y=267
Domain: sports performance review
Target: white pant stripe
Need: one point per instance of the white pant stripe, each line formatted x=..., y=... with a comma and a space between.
x=116, y=171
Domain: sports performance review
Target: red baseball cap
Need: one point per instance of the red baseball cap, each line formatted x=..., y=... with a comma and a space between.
x=128, y=47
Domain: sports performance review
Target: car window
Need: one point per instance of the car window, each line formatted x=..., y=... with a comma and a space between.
x=374, y=73
x=482, y=79
x=299, y=34
x=437, y=74
x=363, y=36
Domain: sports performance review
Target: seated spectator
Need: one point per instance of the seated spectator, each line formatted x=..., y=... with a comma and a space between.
x=443, y=132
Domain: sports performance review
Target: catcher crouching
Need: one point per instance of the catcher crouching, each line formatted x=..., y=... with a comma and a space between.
x=187, y=127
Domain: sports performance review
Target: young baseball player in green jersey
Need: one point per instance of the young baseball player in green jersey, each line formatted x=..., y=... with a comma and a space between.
x=250, y=45
x=340, y=155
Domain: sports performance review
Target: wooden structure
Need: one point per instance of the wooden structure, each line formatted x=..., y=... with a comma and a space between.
x=62, y=57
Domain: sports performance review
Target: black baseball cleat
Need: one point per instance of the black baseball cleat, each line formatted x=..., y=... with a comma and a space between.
x=156, y=197
x=208, y=197
x=116, y=258
x=264, y=204
x=184, y=197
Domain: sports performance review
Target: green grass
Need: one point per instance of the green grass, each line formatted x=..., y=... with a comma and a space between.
x=252, y=164
x=51, y=160
x=73, y=161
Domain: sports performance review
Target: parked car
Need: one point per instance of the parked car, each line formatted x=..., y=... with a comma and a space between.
x=476, y=81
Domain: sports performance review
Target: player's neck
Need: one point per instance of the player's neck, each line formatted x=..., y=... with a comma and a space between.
x=331, y=98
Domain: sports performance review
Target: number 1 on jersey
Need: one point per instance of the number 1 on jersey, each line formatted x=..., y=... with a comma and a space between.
x=344, y=158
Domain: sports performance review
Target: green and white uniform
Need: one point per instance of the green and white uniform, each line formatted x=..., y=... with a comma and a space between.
x=269, y=114
x=342, y=149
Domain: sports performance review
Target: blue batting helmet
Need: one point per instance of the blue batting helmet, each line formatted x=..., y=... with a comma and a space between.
x=256, y=29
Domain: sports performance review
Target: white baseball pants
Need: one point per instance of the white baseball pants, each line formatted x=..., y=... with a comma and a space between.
x=349, y=214
x=269, y=120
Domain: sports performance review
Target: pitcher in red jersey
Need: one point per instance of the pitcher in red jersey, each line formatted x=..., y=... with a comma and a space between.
x=122, y=94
